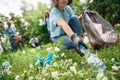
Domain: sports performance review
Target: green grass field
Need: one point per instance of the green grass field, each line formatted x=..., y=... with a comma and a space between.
x=68, y=66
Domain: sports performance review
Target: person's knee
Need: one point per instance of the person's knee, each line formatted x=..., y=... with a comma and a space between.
x=74, y=18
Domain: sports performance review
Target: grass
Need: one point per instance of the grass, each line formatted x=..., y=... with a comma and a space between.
x=20, y=63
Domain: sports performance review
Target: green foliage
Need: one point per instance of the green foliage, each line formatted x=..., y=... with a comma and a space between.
x=107, y=8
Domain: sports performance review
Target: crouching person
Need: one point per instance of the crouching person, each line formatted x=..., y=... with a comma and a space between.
x=34, y=42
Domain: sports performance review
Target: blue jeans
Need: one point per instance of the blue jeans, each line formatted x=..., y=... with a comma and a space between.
x=76, y=26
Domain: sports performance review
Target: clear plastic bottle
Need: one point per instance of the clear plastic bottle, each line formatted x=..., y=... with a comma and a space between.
x=93, y=60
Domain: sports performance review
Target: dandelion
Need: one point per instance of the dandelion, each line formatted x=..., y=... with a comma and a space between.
x=73, y=69
x=57, y=49
x=115, y=68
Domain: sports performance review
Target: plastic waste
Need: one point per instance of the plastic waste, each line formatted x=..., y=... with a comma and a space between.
x=93, y=60
x=43, y=61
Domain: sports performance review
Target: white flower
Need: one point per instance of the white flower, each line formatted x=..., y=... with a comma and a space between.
x=32, y=51
x=54, y=74
x=73, y=69
x=6, y=71
x=113, y=59
x=55, y=64
x=70, y=60
x=57, y=49
x=37, y=62
x=23, y=52
x=82, y=62
x=104, y=78
x=31, y=66
x=17, y=77
x=30, y=78
x=115, y=68
x=75, y=64
x=6, y=64
x=49, y=49
x=9, y=72
x=62, y=54
x=99, y=76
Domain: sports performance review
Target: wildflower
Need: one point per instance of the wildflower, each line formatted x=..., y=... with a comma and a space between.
x=75, y=64
x=9, y=72
x=30, y=66
x=99, y=76
x=62, y=54
x=6, y=71
x=115, y=68
x=113, y=59
x=23, y=52
x=104, y=78
x=55, y=64
x=49, y=49
x=70, y=60
x=17, y=77
x=54, y=74
x=31, y=78
x=57, y=49
x=6, y=64
x=73, y=69
x=32, y=51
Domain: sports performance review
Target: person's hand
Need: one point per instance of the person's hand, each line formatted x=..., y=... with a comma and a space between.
x=80, y=17
x=77, y=42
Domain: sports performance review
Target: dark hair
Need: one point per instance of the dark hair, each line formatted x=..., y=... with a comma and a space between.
x=54, y=2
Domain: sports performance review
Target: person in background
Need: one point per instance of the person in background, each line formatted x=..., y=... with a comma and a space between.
x=66, y=26
x=46, y=20
x=11, y=31
x=33, y=42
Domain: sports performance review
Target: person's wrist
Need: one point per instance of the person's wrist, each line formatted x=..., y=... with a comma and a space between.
x=73, y=36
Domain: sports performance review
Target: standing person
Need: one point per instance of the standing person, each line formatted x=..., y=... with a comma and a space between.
x=46, y=20
x=11, y=31
x=33, y=42
x=65, y=25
